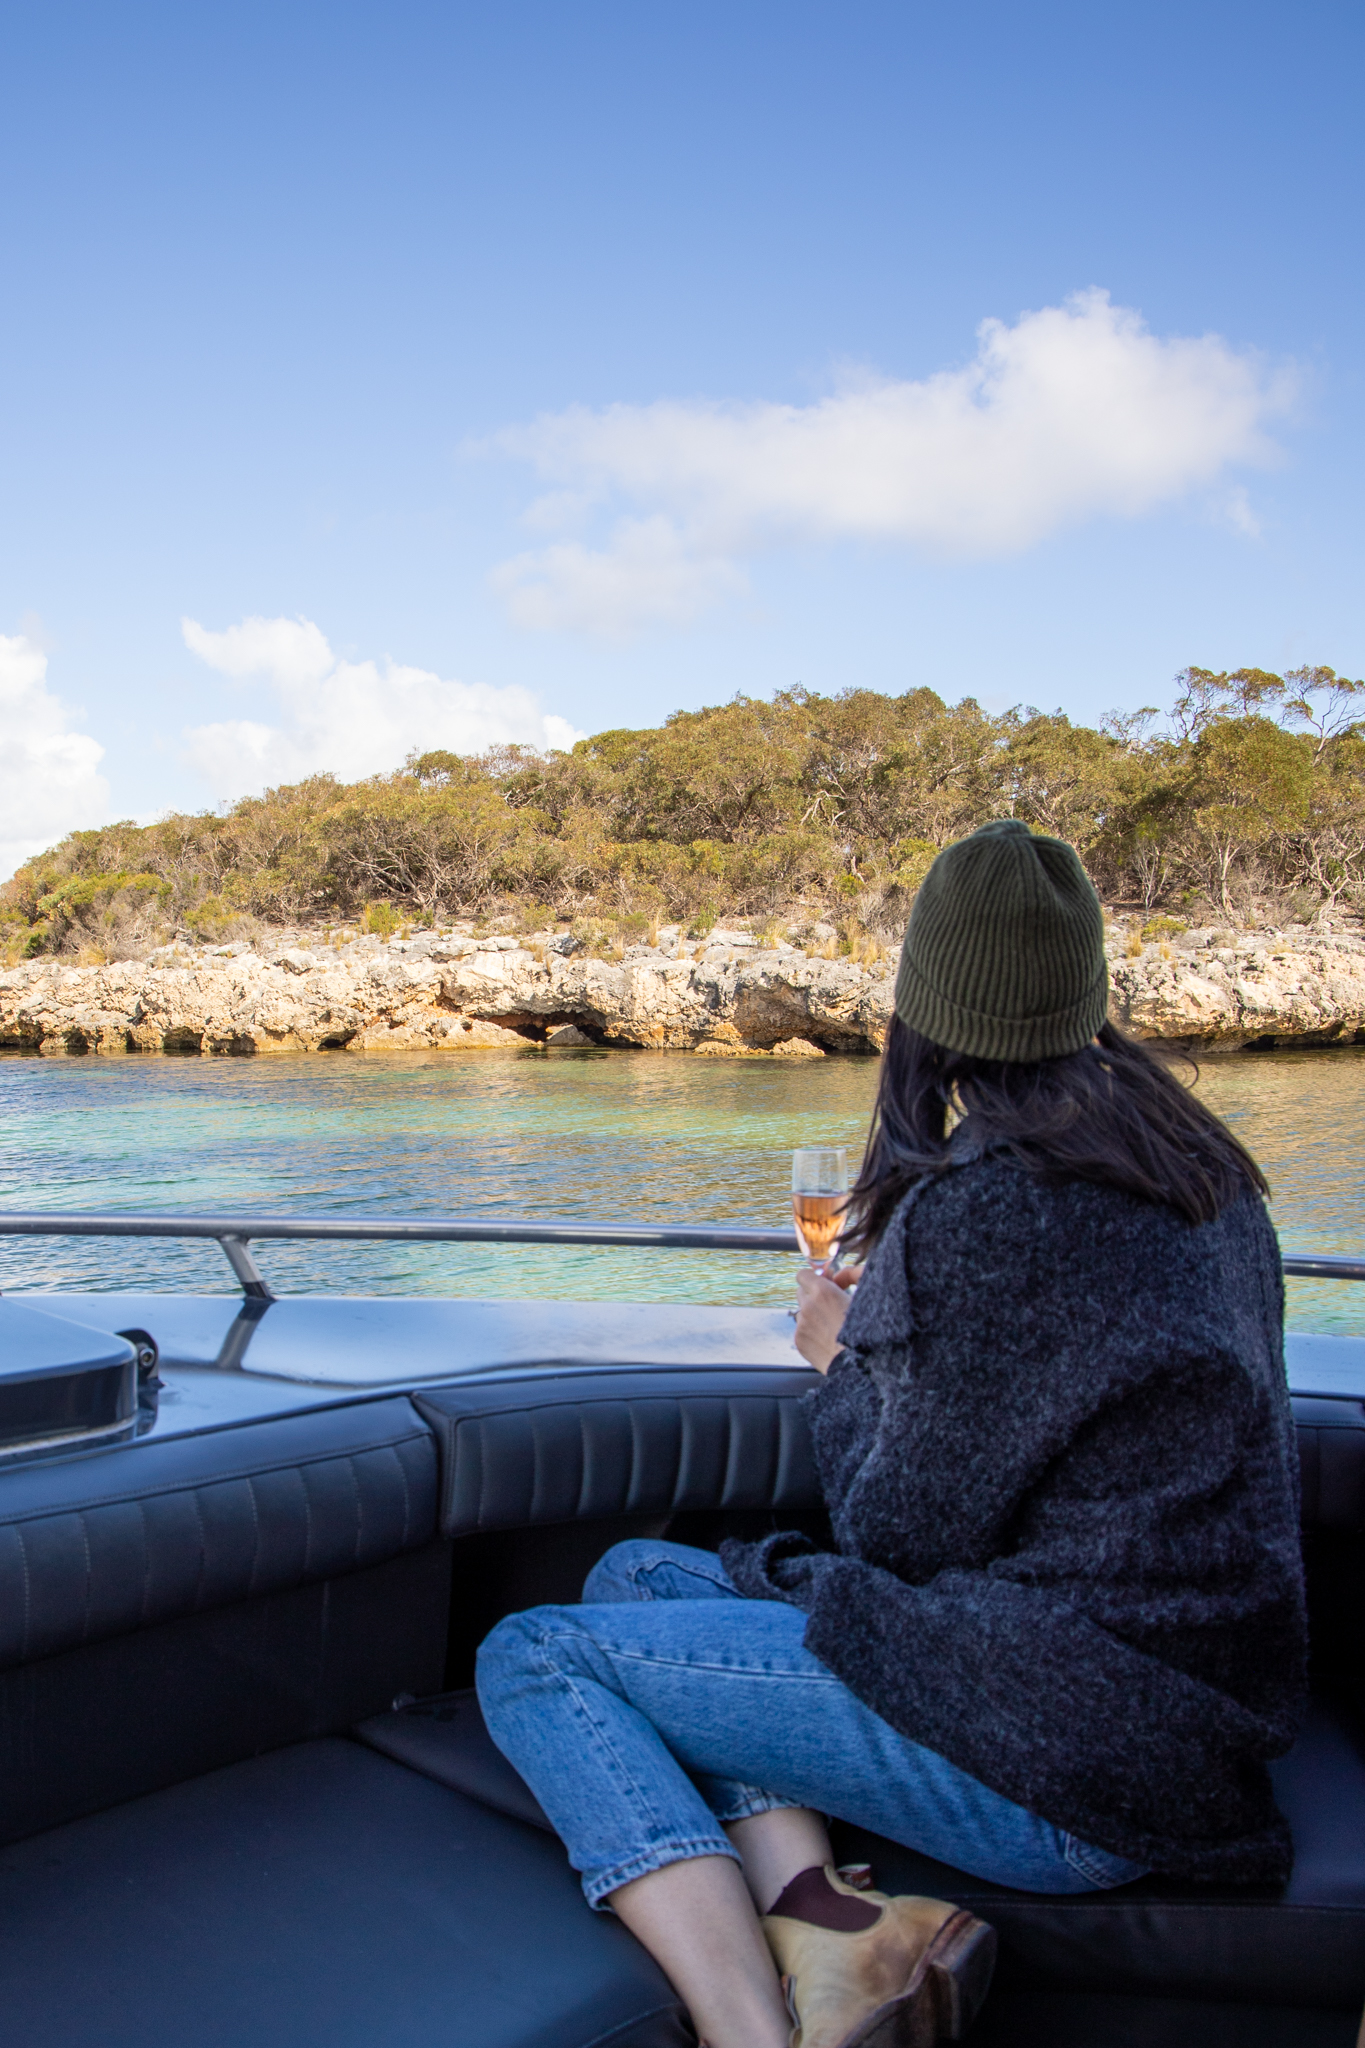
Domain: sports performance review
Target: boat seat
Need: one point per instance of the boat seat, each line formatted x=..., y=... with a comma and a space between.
x=177, y=1605
x=576, y=1446
x=94, y=1546
x=1091, y=2019
x=1304, y=1944
x=317, y=1897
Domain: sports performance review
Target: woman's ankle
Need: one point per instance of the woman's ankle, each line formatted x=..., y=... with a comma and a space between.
x=813, y=1897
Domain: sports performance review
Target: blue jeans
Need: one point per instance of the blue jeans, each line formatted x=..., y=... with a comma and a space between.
x=667, y=1705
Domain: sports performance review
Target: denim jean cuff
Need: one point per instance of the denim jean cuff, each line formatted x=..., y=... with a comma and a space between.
x=596, y=1888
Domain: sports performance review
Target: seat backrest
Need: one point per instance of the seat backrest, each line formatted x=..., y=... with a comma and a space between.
x=1331, y=1461
x=97, y=1545
x=168, y=1607
x=586, y=1446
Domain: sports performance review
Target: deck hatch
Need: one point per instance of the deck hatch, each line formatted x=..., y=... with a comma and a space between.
x=62, y=1384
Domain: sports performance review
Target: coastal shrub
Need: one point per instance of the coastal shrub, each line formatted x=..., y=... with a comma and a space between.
x=381, y=919
x=1248, y=800
x=115, y=912
x=215, y=920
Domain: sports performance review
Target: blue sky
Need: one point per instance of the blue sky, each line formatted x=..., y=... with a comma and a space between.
x=530, y=369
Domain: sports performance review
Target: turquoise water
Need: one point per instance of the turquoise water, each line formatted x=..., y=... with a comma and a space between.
x=609, y=1136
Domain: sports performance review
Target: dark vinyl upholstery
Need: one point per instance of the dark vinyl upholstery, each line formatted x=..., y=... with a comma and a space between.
x=591, y=1445
x=1305, y=1944
x=109, y=1721
x=319, y=1897
x=1089, y=2019
x=95, y=1546
x=445, y=1738
x=1331, y=1462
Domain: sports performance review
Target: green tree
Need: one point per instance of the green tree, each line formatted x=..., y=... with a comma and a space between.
x=1247, y=782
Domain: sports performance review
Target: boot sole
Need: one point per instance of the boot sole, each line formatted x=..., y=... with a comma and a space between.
x=943, y=1997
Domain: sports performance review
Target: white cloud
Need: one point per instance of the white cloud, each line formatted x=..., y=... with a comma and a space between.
x=352, y=717
x=646, y=575
x=49, y=779
x=1237, y=510
x=1074, y=412
x=293, y=651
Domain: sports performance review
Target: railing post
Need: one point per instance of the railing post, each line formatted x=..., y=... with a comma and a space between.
x=237, y=1251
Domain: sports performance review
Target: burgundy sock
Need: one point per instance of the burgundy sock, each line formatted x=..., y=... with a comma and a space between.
x=811, y=1897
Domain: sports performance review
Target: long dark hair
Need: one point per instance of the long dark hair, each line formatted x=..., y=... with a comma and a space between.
x=1113, y=1113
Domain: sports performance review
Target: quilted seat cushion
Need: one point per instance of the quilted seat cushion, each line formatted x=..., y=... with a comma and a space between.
x=576, y=1446
x=318, y=1897
x=1304, y=1945
x=95, y=1546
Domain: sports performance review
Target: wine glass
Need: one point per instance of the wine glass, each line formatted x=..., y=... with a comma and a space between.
x=819, y=1195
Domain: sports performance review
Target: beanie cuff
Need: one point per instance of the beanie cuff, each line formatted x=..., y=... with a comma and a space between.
x=936, y=1016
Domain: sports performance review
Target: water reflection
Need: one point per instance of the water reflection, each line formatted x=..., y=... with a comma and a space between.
x=635, y=1137
x=1303, y=1116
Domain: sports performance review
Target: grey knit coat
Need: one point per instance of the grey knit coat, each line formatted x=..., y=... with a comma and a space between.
x=1060, y=1466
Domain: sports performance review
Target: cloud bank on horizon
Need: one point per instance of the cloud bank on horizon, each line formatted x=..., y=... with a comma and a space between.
x=1075, y=412
x=352, y=718
x=49, y=776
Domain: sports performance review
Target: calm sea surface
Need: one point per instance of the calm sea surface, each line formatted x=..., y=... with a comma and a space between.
x=608, y=1136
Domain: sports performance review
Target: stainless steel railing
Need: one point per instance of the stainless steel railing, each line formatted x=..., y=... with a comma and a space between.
x=234, y=1234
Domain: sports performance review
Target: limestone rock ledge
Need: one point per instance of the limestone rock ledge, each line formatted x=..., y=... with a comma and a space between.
x=418, y=997
x=728, y=1000
x=1222, y=992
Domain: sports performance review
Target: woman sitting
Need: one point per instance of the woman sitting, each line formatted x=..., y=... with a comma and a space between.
x=1060, y=1629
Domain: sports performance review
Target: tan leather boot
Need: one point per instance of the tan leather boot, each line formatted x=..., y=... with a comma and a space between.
x=916, y=1976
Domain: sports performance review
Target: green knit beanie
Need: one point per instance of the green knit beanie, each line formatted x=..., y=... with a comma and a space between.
x=1004, y=954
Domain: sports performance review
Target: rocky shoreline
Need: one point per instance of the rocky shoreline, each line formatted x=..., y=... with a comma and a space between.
x=726, y=996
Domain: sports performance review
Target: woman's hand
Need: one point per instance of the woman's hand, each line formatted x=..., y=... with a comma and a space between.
x=820, y=1318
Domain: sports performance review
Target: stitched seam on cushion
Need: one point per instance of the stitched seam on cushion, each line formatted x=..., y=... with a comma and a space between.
x=126, y=1495
x=203, y=1550
x=681, y=1450
x=307, y=1521
x=146, y=1562
x=583, y=1468
x=407, y=1496
x=476, y=1439
x=256, y=1533
x=89, y=1578
x=731, y=1449
x=28, y=1594
x=359, y=1511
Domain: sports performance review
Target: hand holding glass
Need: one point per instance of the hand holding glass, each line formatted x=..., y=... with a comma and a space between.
x=819, y=1195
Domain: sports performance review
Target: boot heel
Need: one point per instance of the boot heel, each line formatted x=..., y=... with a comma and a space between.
x=961, y=1962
